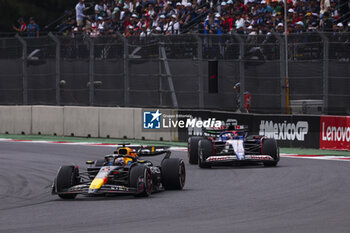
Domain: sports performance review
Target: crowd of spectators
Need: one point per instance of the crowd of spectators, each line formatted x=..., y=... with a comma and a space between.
x=146, y=17
x=171, y=17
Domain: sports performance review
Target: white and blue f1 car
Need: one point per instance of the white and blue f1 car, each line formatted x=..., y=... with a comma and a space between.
x=232, y=145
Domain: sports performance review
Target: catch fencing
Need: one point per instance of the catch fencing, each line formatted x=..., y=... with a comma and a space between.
x=172, y=71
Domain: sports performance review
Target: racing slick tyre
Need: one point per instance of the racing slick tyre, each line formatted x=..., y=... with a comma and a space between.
x=205, y=149
x=67, y=177
x=192, y=148
x=173, y=173
x=269, y=147
x=138, y=172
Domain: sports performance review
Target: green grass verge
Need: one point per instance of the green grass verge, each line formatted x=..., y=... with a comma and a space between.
x=302, y=151
x=90, y=140
x=149, y=142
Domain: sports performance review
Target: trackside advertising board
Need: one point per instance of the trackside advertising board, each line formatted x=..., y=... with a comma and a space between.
x=335, y=132
x=289, y=130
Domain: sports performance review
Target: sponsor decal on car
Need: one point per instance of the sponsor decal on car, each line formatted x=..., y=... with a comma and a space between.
x=335, y=132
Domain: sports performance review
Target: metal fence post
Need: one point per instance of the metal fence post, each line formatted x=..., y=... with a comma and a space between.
x=325, y=71
x=126, y=69
x=241, y=70
x=200, y=70
x=282, y=71
x=160, y=75
x=58, y=68
x=24, y=69
x=168, y=75
x=91, y=71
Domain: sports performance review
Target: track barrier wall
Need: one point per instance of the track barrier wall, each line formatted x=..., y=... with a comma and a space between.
x=304, y=131
x=79, y=121
x=47, y=120
x=16, y=119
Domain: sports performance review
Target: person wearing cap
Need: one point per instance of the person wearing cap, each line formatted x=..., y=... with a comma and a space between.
x=79, y=12
x=174, y=26
x=311, y=22
x=158, y=31
x=212, y=25
x=125, y=13
x=161, y=22
x=129, y=31
x=340, y=27
x=187, y=14
x=22, y=25
x=33, y=28
x=299, y=27
x=223, y=7
x=280, y=28
x=101, y=24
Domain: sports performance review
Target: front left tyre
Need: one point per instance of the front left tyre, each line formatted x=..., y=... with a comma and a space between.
x=67, y=177
x=205, y=150
x=138, y=173
x=173, y=174
x=269, y=147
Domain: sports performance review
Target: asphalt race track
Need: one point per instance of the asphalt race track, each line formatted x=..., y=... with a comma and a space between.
x=299, y=195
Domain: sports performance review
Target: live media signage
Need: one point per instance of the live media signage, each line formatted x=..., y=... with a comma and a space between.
x=335, y=132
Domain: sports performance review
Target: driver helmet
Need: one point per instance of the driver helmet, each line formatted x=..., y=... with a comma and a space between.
x=230, y=124
x=119, y=162
x=110, y=160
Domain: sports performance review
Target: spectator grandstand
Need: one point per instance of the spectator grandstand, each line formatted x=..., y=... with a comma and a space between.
x=147, y=17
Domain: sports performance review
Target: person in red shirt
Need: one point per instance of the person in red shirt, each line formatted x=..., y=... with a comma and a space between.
x=228, y=22
x=22, y=26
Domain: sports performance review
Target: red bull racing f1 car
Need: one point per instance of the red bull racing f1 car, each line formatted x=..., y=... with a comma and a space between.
x=124, y=171
x=232, y=145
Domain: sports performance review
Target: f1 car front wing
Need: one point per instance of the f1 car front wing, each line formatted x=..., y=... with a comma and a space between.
x=234, y=158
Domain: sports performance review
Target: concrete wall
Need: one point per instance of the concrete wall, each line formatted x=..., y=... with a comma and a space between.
x=47, y=120
x=15, y=119
x=117, y=122
x=80, y=121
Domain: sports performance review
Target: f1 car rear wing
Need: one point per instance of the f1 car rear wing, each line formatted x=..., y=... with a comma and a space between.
x=142, y=150
x=241, y=127
x=215, y=132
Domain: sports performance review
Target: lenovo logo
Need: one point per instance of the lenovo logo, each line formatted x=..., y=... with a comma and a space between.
x=335, y=133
